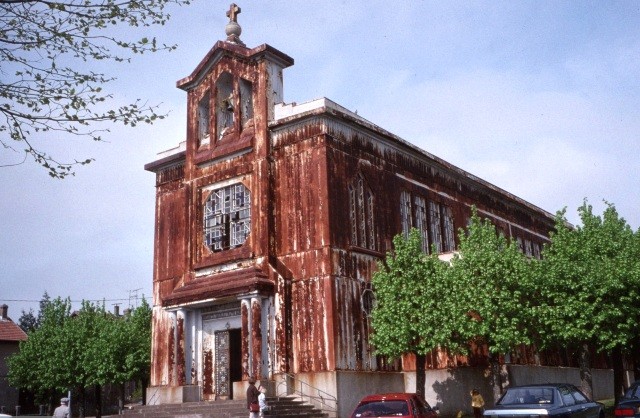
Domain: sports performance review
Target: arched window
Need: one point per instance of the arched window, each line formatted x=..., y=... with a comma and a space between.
x=361, y=208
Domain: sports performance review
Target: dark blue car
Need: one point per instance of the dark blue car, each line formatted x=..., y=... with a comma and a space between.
x=557, y=400
x=629, y=404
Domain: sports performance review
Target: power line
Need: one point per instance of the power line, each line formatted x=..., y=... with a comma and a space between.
x=72, y=301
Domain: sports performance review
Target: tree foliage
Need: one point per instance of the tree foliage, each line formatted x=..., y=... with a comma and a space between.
x=491, y=275
x=584, y=292
x=29, y=321
x=590, y=285
x=49, y=87
x=413, y=312
x=407, y=288
x=73, y=351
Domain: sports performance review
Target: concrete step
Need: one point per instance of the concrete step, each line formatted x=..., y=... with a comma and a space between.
x=215, y=409
x=278, y=407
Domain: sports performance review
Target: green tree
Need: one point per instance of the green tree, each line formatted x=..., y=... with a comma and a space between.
x=590, y=285
x=39, y=364
x=121, y=351
x=50, y=88
x=138, y=356
x=28, y=321
x=411, y=313
x=490, y=275
x=89, y=348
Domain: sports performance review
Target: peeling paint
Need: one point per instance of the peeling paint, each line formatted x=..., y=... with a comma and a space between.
x=298, y=254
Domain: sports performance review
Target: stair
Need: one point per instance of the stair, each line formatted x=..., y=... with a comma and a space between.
x=278, y=407
x=292, y=407
x=204, y=409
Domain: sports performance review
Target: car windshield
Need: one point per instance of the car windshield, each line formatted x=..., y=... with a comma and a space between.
x=382, y=409
x=527, y=396
x=633, y=392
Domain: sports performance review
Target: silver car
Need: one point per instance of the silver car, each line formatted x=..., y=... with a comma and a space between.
x=533, y=401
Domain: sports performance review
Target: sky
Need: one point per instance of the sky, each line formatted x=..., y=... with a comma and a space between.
x=540, y=98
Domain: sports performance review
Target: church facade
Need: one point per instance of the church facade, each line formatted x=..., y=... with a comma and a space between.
x=270, y=219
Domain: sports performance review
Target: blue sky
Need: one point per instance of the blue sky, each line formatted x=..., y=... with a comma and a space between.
x=540, y=98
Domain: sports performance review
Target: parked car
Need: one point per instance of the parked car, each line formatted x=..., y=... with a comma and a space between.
x=394, y=405
x=557, y=400
x=629, y=404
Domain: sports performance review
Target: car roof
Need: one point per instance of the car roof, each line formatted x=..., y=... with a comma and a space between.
x=395, y=396
x=542, y=385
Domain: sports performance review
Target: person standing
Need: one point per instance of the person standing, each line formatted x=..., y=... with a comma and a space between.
x=477, y=403
x=63, y=410
x=262, y=400
x=252, y=399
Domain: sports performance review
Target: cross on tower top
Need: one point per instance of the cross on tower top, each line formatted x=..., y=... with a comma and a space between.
x=233, y=12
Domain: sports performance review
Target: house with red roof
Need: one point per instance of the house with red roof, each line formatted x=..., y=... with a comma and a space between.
x=10, y=336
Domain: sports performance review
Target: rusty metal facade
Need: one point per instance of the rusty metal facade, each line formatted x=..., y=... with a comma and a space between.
x=295, y=286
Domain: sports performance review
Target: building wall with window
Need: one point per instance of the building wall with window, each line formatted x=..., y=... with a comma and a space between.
x=270, y=221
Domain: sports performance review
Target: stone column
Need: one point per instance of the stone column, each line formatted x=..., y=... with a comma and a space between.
x=256, y=336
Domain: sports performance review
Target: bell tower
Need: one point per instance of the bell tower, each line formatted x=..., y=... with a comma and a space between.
x=214, y=289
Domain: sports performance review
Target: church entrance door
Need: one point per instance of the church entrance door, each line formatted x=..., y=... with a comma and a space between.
x=228, y=367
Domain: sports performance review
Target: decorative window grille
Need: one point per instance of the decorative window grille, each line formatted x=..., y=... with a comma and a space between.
x=227, y=217
x=361, y=214
x=435, y=226
x=421, y=221
x=405, y=213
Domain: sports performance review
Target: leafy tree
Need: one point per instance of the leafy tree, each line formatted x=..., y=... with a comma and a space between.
x=49, y=87
x=489, y=276
x=121, y=351
x=138, y=356
x=89, y=348
x=28, y=321
x=411, y=313
x=590, y=287
x=37, y=365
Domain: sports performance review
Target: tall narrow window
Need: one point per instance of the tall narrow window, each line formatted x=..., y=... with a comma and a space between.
x=225, y=105
x=204, y=117
x=246, y=102
x=361, y=214
x=405, y=213
x=421, y=221
x=536, y=250
x=435, y=226
x=227, y=217
x=449, y=243
x=528, y=250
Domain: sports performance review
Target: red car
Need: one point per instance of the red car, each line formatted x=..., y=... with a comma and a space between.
x=394, y=405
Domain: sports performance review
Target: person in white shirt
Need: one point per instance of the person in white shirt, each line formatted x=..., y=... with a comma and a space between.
x=262, y=400
x=63, y=410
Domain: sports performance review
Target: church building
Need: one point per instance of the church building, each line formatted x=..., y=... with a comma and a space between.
x=270, y=219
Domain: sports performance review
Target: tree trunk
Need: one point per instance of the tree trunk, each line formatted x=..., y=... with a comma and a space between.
x=120, y=398
x=618, y=373
x=495, y=376
x=421, y=380
x=81, y=401
x=586, y=379
x=98, y=395
x=144, y=382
